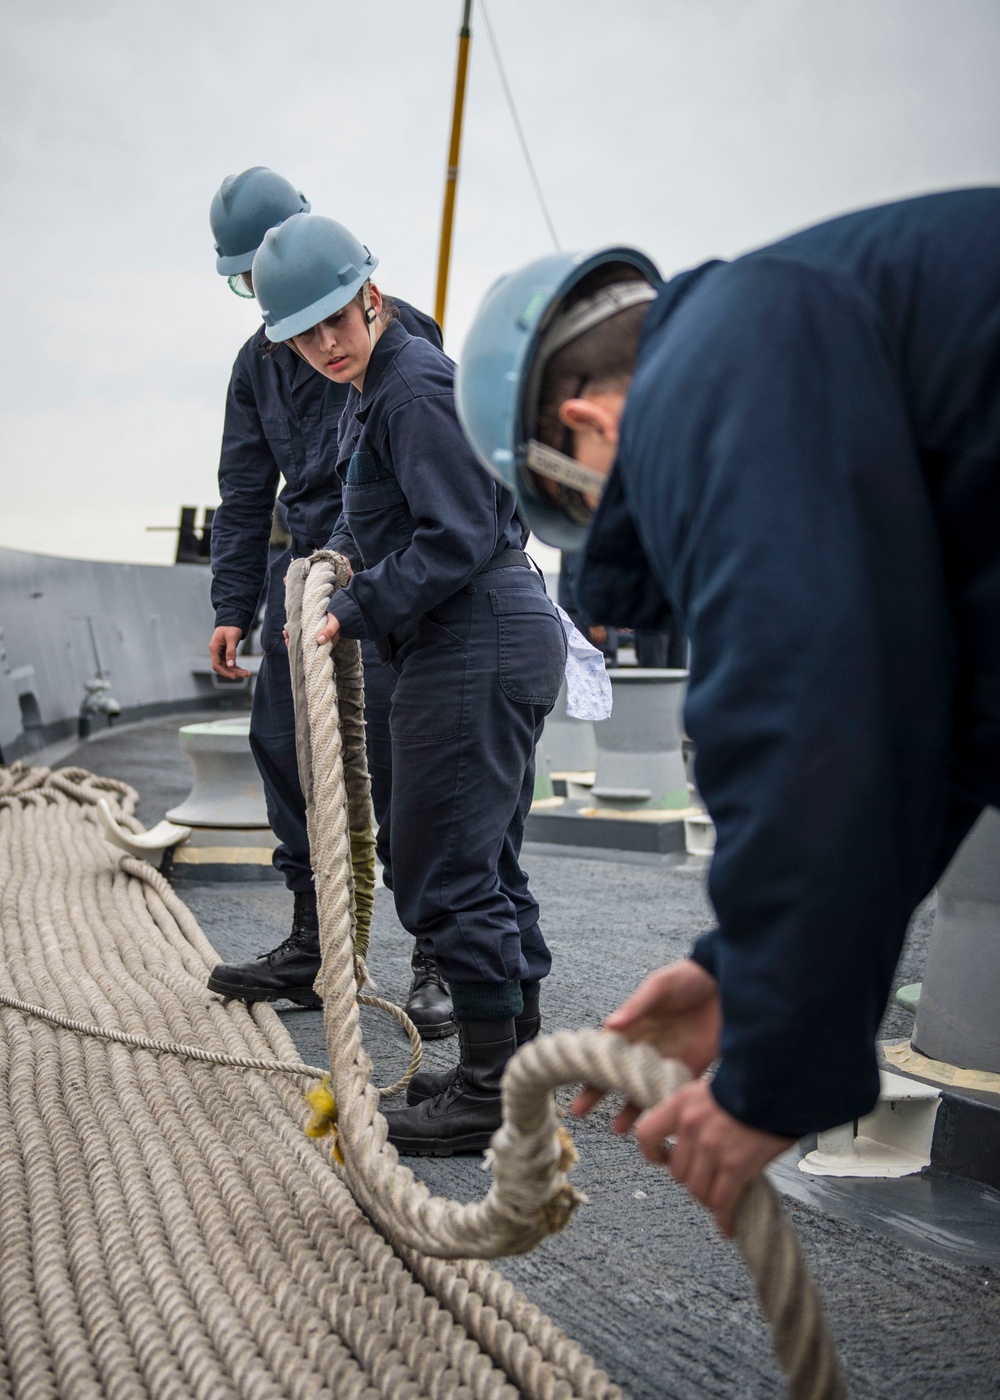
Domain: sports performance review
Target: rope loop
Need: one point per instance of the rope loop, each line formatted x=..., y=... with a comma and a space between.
x=530, y=1196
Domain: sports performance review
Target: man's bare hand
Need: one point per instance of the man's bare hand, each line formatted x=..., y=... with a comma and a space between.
x=712, y=1154
x=677, y=1010
x=598, y=635
x=222, y=653
x=330, y=633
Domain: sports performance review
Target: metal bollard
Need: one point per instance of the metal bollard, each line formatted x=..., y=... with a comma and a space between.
x=640, y=763
x=227, y=789
x=958, y=1015
x=571, y=743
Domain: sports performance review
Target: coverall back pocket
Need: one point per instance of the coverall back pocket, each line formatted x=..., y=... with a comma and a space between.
x=532, y=645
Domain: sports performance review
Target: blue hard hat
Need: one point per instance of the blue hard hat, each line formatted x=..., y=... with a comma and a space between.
x=243, y=210
x=306, y=269
x=498, y=378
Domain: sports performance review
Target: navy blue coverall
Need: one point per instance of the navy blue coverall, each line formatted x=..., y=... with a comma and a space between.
x=809, y=472
x=569, y=567
x=663, y=649
x=453, y=603
x=282, y=420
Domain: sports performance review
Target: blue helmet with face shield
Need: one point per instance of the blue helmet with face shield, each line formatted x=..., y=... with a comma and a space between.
x=306, y=269
x=524, y=319
x=244, y=208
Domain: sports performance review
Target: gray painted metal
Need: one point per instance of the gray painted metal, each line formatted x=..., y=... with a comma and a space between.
x=66, y=624
x=571, y=744
x=570, y=825
x=227, y=789
x=639, y=757
x=958, y=1016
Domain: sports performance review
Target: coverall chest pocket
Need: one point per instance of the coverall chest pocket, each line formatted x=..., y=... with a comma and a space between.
x=532, y=645
x=377, y=517
x=283, y=443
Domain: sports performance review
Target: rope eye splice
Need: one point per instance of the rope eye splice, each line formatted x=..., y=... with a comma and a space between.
x=323, y=1119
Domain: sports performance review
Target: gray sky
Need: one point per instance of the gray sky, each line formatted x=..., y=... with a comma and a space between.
x=692, y=128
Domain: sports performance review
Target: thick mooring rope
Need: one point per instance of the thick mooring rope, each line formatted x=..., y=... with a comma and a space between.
x=167, y=1229
x=530, y=1196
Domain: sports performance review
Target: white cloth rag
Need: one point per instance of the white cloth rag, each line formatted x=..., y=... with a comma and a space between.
x=588, y=686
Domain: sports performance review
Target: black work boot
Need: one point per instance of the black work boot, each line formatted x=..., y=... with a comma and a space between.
x=287, y=971
x=466, y=1115
x=529, y=1023
x=429, y=1082
x=428, y=1003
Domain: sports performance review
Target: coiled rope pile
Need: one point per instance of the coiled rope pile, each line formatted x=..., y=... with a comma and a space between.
x=166, y=1227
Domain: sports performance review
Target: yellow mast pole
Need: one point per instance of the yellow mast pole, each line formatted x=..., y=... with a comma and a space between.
x=451, y=176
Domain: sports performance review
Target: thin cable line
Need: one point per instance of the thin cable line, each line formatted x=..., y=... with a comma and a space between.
x=160, y=1047
x=198, y=1052
x=517, y=124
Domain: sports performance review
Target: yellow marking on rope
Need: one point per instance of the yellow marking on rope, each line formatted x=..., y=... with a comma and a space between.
x=324, y=1115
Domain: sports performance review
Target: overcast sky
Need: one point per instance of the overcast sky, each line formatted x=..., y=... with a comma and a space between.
x=692, y=128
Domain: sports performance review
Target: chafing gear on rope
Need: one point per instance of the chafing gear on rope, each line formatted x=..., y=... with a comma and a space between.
x=306, y=269
x=520, y=325
x=244, y=208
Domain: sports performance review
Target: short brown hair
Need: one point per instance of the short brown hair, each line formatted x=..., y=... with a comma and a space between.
x=603, y=357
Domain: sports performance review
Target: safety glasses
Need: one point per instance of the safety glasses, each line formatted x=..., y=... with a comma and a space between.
x=238, y=283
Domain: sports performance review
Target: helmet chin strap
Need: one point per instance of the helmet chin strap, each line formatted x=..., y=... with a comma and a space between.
x=371, y=315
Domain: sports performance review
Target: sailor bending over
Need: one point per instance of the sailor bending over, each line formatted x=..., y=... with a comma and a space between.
x=804, y=458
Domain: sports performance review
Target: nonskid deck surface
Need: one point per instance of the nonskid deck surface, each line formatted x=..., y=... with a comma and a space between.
x=910, y=1270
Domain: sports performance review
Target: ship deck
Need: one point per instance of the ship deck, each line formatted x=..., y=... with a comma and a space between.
x=910, y=1269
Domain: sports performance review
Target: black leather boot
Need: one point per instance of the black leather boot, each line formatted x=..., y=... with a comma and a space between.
x=529, y=1023
x=466, y=1115
x=428, y=1004
x=287, y=971
x=428, y=1082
